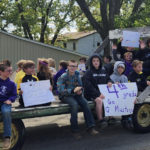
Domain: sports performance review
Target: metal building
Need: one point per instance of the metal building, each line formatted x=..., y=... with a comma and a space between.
x=15, y=48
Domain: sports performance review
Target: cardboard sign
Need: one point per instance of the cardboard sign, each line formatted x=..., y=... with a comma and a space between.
x=130, y=39
x=119, y=99
x=36, y=93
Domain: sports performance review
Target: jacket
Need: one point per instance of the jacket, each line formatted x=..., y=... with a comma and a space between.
x=109, y=68
x=8, y=90
x=139, y=79
x=92, y=78
x=143, y=55
x=67, y=83
x=116, y=77
x=122, y=51
x=58, y=74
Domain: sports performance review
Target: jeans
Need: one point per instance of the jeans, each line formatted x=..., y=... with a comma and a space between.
x=6, y=113
x=73, y=102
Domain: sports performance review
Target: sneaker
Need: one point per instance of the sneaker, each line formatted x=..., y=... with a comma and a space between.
x=7, y=143
x=130, y=124
x=113, y=121
x=102, y=124
x=76, y=135
x=125, y=124
x=92, y=131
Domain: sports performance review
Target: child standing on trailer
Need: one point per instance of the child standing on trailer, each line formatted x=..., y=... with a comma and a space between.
x=8, y=94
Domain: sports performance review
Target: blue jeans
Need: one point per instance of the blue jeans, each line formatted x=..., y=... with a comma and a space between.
x=73, y=102
x=6, y=113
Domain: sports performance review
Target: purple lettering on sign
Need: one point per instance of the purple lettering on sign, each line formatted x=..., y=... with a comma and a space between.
x=116, y=108
x=122, y=86
x=107, y=109
x=115, y=91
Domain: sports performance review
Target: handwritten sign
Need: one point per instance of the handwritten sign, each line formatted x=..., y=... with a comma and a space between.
x=36, y=93
x=81, y=68
x=130, y=39
x=119, y=99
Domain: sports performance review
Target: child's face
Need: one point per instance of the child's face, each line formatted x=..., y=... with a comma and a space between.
x=106, y=60
x=72, y=67
x=96, y=62
x=82, y=62
x=138, y=68
x=128, y=57
x=7, y=73
x=30, y=70
x=120, y=70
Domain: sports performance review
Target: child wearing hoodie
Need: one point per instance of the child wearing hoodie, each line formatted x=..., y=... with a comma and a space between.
x=119, y=77
x=8, y=94
x=127, y=60
x=94, y=76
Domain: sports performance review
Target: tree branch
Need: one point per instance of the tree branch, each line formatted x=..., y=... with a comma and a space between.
x=90, y=17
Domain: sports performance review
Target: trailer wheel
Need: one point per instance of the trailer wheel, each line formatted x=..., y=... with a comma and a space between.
x=18, y=134
x=141, y=118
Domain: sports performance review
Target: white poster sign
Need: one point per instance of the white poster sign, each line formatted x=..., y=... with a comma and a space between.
x=36, y=93
x=81, y=68
x=130, y=39
x=119, y=99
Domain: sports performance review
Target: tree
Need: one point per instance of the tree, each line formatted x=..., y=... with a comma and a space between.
x=109, y=11
x=31, y=18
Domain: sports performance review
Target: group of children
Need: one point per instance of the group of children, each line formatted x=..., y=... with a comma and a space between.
x=70, y=86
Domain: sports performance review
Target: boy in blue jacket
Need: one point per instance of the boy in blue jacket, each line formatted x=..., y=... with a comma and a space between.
x=8, y=94
x=69, y=87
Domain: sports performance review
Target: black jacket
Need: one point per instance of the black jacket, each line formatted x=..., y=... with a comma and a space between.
x=109, y=67
x=122, y=51
x=143, y=55
x=139, y=79
x=92, y=78
x=41, y=76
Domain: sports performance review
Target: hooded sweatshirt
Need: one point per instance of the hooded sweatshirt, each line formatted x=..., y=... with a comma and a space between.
x=58, y=74
x=92, y=78
x=67, y=83
x=8, y=90
x=116, y=77
x=128, y=65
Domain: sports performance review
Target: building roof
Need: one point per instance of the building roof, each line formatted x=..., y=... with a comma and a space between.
x=75, y=35
x=43, y=44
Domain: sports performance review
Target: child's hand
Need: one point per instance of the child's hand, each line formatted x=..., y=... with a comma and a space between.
x=117, y=83
x=109, y=84
x=102, y=96
x=148, y=83
x=77, y=89
x=79, y=92
x=51, y=88
x=135, y=101
x=8, y=102
x=20, y=92
x=114, y=46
